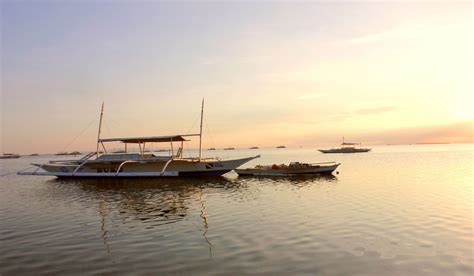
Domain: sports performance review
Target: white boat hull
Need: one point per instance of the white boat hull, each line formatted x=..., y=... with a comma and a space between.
x=144, y=168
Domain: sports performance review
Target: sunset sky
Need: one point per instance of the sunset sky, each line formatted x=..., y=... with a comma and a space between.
x=271, y=73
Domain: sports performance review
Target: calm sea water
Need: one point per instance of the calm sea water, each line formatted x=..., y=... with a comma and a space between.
x=404, y=210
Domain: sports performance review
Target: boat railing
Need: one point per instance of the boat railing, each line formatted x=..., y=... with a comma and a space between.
x=84, y=161
x=85, y=157
x=197, y=159
x=135, y=161
x=322, y=163
x=131, y=156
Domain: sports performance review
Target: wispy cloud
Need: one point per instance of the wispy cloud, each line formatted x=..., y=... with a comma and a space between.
x=412, y=30
x=375, y=110
x=309, y=96
x=344, y=115
x=457, y=132
x=400, y=32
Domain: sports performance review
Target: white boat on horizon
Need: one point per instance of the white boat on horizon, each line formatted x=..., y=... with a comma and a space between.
x=346, y=148
x=9, y=156
x=142, y=164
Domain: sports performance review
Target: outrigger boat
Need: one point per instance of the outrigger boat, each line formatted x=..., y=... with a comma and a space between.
x=347, y=148
x=142, y=164
x=294, y=168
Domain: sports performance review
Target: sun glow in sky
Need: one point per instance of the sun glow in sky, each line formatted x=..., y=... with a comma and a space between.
x=298, y=74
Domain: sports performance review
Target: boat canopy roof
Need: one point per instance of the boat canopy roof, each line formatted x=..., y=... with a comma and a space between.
x=153, y=139
x=348, y=144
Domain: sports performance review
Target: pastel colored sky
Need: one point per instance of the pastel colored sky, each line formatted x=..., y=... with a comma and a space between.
x=297, y=74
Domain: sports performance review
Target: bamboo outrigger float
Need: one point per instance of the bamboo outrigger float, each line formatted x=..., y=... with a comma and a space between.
x=141, y=164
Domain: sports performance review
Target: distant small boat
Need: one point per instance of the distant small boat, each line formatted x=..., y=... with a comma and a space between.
x=34, y=154
x=229, y=149
x=281, y=147
x=211, y=149
x=294, y=168
x=68, y=153
x=346, y=148
x=9, y=156
x=253, y=148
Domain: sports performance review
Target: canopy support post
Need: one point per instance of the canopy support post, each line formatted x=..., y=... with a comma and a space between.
x=103, y=146
x=172, y=148
x=200, y=130
x=100, y=128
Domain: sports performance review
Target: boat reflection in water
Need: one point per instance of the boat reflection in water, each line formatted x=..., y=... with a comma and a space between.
x=144, y=204
x=136, y=206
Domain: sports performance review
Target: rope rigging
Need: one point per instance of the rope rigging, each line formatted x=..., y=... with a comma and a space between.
x=210, y=136
x=186, y=150
x=79, y=135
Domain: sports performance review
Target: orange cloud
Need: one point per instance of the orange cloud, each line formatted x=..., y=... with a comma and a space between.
x=460, y=132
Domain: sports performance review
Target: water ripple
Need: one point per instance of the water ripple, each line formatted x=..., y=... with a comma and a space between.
x=380, y=215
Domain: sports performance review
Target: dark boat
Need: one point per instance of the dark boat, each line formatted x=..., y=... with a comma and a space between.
x=294, y=168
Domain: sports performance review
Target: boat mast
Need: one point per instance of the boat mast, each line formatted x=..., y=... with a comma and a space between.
x=200, y=130
x=100, y=128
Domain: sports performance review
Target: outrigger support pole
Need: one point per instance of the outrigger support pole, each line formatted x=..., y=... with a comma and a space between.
x=100, y=128
x=200, y=130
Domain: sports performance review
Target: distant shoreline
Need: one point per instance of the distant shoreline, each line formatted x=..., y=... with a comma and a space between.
x=270, y=147
x=439, y=143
